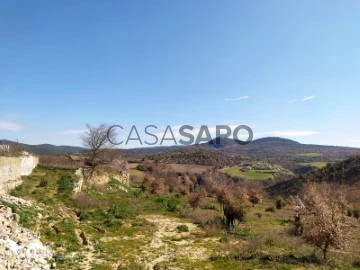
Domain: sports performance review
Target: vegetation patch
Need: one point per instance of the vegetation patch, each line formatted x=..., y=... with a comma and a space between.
x=315, y=164
x=308, y=155
x=249, y=174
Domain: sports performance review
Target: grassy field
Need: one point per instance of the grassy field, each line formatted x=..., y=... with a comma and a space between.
x=250, y=174
x=309, y=155
x=318, y=164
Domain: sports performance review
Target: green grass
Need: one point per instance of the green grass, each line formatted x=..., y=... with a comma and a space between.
x=317, y=164
x=308, y=155
x=251, y=174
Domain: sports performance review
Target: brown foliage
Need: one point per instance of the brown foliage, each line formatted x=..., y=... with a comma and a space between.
x=255, y=195
x=322, y=209
x=197, y=197
x=84, y=201
x=157, y=186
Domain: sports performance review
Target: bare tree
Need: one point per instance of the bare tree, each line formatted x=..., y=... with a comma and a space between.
x=322, y=211
x=98, y=142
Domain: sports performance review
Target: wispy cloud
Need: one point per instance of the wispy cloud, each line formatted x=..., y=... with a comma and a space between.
x=10, y=126
x=237, y=98
x=291, y=133
x=292, y=101
x=308, y=98
x=73, y=132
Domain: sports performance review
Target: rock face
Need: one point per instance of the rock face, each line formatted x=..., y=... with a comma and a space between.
x=20, y=248
x=12, y=168
x=100, y=178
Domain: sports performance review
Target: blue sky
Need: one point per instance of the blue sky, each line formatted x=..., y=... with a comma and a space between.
x=285, y=68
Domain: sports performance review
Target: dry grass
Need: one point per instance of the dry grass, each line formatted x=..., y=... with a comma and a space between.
x=190, y=168
x=59, y=162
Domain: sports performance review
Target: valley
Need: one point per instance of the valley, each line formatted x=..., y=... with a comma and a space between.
x=173, y=215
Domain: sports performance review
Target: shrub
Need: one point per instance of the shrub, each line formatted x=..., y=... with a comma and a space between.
x=322, y=212
x=43, y=183
x=84, y=201
x=270, y=209
x=356, y=213
x=172, y=204
x=65, y=184
x=123, y=211
x=182, y=228
x=196, y=198
x=115, y=224
x=85, y=215
x=279, y=203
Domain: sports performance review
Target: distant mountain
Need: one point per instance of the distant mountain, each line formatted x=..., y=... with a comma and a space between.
x=287, y=153
x=263, y=142
x=46, y=149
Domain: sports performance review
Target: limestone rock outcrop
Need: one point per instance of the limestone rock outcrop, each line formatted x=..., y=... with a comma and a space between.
x=20, y=248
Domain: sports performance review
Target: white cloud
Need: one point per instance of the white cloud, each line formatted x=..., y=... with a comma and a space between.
x=73, y=132
x=290, y=133
x=292, y=101
x=308, y=98
x=5, y=125
x=237, y=98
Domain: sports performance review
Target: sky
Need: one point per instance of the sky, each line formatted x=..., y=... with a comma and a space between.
x=284, y=68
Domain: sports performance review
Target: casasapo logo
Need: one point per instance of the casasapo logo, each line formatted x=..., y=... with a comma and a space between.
x=181, y=135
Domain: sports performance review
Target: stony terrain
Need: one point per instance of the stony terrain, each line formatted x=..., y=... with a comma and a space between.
x=20, y=248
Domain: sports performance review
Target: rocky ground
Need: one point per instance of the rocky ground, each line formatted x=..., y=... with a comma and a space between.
x=20, y=248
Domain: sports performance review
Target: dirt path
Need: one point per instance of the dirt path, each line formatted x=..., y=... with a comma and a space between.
x=169, y=244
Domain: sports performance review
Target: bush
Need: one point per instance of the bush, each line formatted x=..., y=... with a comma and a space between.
x=123, y=211
x=270, y=209
x=172, y=204
x=65, y=184
x=356, y=213
x=84, y=201
x=279, y=203
x=182, y=228
x=85, y=215
x=43, y=183
x=115, y=224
